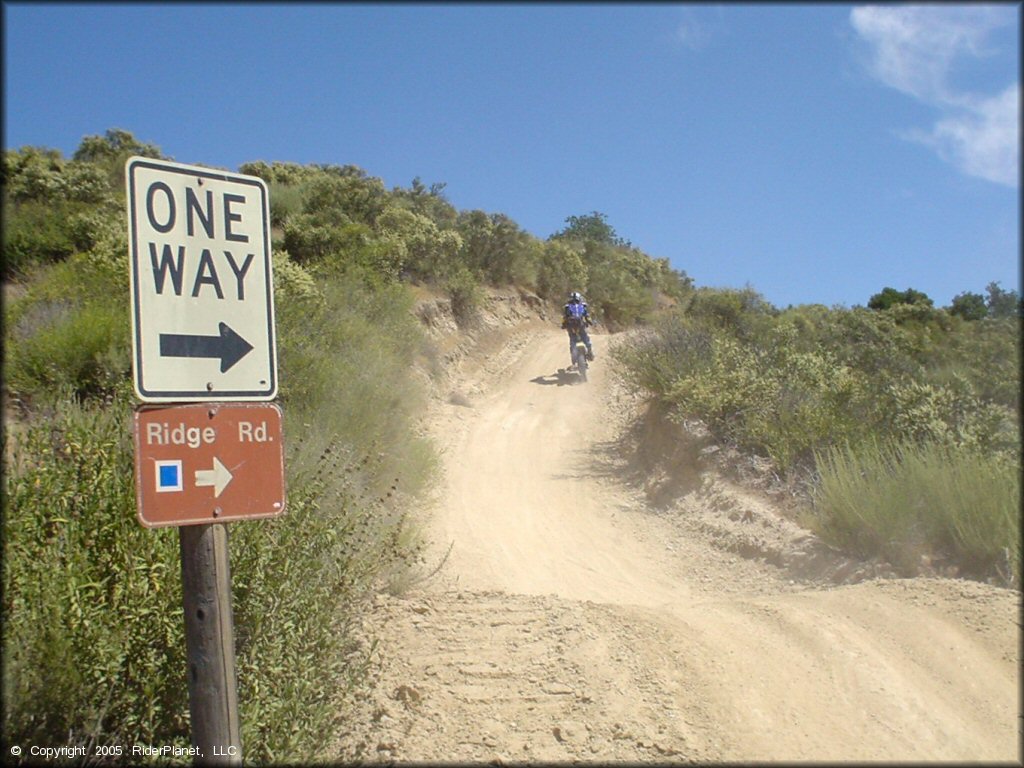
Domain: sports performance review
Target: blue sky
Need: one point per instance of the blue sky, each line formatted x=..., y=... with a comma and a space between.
x=817, y=153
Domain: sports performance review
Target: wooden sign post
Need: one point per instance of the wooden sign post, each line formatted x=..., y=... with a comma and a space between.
x=210, y=644
x=203, y=341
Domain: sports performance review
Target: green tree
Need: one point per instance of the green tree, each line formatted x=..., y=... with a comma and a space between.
x=969, y=306
x=561, y=269
x=360, y=198
x=1002, y=303
x=593, y=226
x=890, y=297
x=427, y=201
x=110, y=152
x=114, y=144
x=431, y=251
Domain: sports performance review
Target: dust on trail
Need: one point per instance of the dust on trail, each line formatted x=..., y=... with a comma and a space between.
x=573, y=622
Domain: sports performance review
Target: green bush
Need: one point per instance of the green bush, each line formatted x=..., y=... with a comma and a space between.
x=92, y=601
x=93, y=636
x=347, y=362
x=94, y=641
x=71, y=331
x=742, y=313
x=768, y=397
x=465, y=294
x=903, y=500
x=286, y=200
x=84, y=349
x=298, y=584
x=34, y=233
x=787, y=384
x=561, y=269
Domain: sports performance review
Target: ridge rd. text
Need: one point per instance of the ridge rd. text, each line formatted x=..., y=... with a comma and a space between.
x=162, y=433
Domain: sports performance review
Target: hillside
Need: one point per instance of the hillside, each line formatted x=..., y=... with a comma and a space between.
x=737, y=482
x=575, y=620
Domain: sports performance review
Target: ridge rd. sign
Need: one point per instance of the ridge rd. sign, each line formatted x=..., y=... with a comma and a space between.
x=208, y=463
x=201, y=282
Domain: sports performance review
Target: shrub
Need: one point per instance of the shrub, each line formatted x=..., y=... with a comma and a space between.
x=82, y=349
x=292, y=282
x=789, y=384
x=92, y=601
x=286, y=200
x=298, y=584
x=359, y=197
x=431, y=253
x=34, y=233
x=561, y=269
x=948, y=414
x=902, y=500
x=742, y=313
x=71, y=331
x=661, y=356
x=310, y=241
x=93, y=636
x=465, y=294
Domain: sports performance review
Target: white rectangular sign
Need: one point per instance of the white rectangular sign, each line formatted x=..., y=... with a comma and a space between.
x=202, y=288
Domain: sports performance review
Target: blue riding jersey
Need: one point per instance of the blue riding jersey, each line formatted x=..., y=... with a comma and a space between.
x=575, y=313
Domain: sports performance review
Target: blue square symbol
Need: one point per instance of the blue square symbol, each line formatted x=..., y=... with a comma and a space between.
x=168, y=476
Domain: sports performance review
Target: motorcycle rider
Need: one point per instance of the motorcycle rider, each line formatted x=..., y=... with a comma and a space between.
x=575, y=320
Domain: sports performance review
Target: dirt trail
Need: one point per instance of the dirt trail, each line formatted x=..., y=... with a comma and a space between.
x=572, y=622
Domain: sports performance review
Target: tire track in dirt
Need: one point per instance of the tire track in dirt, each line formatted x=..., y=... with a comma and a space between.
x=572, y=623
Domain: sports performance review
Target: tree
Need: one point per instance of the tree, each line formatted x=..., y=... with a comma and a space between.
x=361, y=199
x=890, y=297
x=744, y=313
x=969, y=306
x=561, y=270
x=114, y=145
x=33, y=173
x=594, y=226
x=427, y=201
x=1002, y=303
x=431, y=251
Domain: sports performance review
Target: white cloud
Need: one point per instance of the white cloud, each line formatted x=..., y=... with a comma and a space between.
x=914, y=49
x=982, y=142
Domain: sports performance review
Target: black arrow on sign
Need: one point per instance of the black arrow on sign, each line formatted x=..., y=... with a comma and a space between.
x=229, y=346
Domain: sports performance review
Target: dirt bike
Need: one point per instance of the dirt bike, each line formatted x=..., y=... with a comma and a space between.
x=579, y=359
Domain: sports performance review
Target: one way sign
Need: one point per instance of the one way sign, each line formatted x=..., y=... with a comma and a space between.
x=201, y=282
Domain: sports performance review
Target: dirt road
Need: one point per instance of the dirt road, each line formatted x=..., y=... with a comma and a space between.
x=572, y=621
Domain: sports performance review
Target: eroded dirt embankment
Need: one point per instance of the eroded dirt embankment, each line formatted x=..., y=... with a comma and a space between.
x=580, y=617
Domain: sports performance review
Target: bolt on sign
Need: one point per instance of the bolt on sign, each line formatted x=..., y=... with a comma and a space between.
x=208, y=463
x=201, y=284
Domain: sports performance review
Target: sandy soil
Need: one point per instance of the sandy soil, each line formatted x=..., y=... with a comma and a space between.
x=574, y=620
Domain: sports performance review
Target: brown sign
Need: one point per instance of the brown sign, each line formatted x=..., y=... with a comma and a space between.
x=208, y=463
